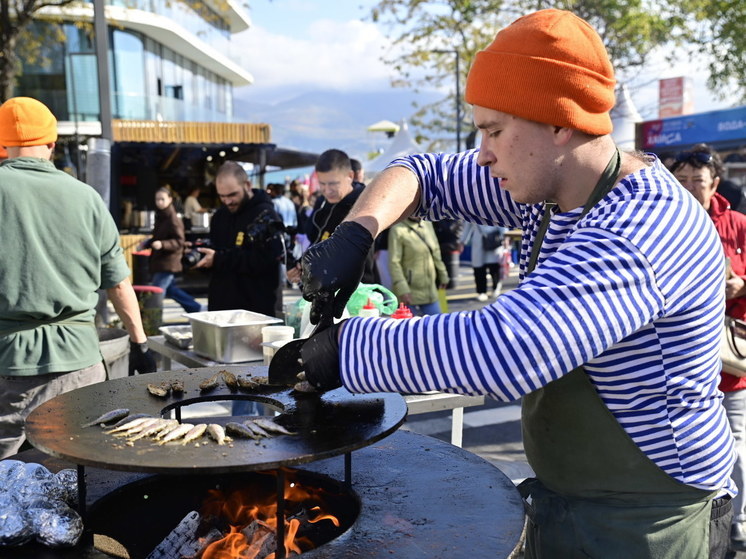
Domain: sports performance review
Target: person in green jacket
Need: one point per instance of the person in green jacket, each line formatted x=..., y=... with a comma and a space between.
x=60, y=246
x=417, y=270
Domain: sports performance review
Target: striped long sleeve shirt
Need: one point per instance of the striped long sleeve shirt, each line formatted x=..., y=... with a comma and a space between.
x=633, y=291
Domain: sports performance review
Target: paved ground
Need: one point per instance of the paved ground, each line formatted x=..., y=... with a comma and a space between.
x=491, y=431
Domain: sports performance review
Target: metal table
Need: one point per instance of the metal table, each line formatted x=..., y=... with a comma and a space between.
x=416, y=403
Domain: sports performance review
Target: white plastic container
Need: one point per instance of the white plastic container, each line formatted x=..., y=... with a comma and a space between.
x=274, y=337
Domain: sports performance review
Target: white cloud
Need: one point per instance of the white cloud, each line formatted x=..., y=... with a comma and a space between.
x=332, y=55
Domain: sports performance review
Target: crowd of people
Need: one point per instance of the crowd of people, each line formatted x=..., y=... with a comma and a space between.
x=631, y=268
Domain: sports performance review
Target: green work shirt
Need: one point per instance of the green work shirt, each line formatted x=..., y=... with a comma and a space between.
x=59, y=245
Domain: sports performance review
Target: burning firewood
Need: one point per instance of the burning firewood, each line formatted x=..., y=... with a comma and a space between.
x=183, y=540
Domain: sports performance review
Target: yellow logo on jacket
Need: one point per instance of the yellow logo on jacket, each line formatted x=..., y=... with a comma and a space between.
x=239, y=239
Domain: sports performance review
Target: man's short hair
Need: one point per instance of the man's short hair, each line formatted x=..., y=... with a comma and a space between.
x=356, y=165
x=233, y=169
x=333, y=160
x=276, y=188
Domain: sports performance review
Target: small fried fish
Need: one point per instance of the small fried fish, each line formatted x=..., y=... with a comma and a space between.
x=130, y=418
x=195, y=433
x=270, y=426
x=129, y=425
x=217, y=433
x=210, y=383
x=246, y=383
x=108, y=417
x=258, y=431
x=166, y=430
x=177, y=433
x=177, y=386
x=154, y=428
x=240, y=430
x=137, y=428
x=230, y=379
x=161, y=390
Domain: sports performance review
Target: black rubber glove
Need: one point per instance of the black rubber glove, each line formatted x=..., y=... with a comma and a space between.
x=335, y=266
x=141, y=359
x=320, y=357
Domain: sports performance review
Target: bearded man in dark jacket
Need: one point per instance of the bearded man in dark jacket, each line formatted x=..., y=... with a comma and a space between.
x=246, y=246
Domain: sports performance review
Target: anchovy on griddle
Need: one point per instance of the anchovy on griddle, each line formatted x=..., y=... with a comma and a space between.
x=240, y=430
x=217, y=433
x=108, y=417
x=128, y=425
x=210, y=383
x=161, y=390
x=270, y=426
x=195, y=433
x=130, y=418
x=256, y=429
x=177, y=386
x=177, y=433
x=230, y=379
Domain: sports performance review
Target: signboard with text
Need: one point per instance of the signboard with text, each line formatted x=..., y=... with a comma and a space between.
x=710, y=127
x=675, y=97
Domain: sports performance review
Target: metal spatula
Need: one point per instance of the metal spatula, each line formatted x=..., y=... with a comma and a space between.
x=286, y=362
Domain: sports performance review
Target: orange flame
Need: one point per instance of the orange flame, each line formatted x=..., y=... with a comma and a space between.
x=241, y=510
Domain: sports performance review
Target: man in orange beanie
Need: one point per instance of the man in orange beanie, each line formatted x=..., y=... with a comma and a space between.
x=61, y=246
x=611, y=340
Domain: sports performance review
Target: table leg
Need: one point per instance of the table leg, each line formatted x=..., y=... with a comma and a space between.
x=457, y=426
x=165, y=363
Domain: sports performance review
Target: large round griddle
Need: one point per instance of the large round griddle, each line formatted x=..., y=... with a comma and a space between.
x=327, y=424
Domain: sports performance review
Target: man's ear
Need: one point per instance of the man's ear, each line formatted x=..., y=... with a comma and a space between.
x=562, y=135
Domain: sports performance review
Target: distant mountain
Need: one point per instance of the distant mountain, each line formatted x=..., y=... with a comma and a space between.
x=319, y=120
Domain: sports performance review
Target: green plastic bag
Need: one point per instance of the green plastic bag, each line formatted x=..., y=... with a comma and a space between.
x=384, y=300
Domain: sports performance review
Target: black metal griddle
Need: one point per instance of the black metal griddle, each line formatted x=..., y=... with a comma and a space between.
x=327, y=424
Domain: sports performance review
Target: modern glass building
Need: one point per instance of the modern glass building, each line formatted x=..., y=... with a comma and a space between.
x=169, y=60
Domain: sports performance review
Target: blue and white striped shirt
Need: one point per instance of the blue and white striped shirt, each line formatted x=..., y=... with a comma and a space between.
x=634, y=291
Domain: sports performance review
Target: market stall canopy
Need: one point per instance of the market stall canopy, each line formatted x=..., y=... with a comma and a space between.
x=216, y=140
x=402, y=144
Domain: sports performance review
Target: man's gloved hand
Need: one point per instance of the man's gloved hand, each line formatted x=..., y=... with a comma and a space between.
x=141, y=359
x=335, y=264
x=320, y=356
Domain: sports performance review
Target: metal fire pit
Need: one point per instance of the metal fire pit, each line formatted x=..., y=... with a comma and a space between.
x=327, y=424
x=420, y=498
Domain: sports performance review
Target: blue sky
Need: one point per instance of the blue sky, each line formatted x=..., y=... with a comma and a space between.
x=295, y=46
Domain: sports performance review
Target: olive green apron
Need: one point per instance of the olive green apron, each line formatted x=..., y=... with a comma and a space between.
x=596, y=493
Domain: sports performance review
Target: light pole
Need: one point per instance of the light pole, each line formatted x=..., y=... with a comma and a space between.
x=458, y=93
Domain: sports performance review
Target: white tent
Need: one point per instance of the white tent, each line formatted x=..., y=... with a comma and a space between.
x=624, y=116
x=402, y=144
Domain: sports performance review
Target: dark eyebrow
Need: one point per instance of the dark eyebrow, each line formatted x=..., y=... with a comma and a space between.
x=487, y=124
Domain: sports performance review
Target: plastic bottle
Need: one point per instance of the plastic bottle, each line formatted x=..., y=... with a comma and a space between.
x=369, y=310
x=402, y=312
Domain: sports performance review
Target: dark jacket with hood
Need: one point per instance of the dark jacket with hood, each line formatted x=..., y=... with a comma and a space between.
x=324, y=221
x=246, y=269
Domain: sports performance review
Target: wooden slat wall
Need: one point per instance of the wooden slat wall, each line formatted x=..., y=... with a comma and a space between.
x=190, y=132
x=129, y=245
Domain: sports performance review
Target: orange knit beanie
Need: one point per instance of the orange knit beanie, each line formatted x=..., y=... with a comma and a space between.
x=26, y=122
x=549, y=66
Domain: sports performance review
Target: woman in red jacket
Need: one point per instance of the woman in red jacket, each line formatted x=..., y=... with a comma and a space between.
x=167, y=245
x=699, y=171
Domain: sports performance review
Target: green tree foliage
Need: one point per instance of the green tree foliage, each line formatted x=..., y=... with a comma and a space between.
x=16, y=42
x=717, y=36
x=631, y=30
